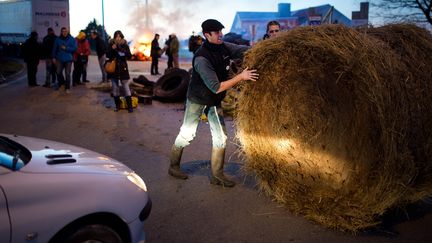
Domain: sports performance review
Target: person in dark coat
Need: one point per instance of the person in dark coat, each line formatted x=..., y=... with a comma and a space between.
x=101, y=50
x=31, y=52
x=174, y=48
x=169, y=53
x=154, y=53
x=50, y=68
x=209, y=82
x=119, y=50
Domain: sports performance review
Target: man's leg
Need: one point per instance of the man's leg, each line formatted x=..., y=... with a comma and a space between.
x=176, y=60
x=53, y=72
x=60, y=77
x=102, y=61
x=84, y=73
x=156, y=65
x=186, y=135
x=170, y=61
x=68, y=67
x=219, y=137
x=152, y=67
x=76, y=73
x=31, y=74
x=48, y=67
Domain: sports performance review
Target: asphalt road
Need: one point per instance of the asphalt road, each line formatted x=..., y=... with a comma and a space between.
x=183, y=211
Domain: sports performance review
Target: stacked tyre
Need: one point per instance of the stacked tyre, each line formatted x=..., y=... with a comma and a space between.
x=172, y=86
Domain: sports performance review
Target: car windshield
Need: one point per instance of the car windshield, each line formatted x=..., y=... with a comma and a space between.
x=13, y=155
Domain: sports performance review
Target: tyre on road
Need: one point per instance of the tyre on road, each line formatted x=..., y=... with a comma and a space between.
x=92, y=233
x=172, y=86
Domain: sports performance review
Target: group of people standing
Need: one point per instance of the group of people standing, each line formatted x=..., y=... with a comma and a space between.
x=171, y=49
x=60, y=52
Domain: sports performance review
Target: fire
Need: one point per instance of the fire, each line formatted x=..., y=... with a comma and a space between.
x=141, y=48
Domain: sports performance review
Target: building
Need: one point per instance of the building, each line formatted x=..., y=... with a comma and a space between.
x=252, y=25
x=18, y=18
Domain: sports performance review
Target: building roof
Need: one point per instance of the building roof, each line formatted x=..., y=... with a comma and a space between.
x=257, y=15
x=301, y=14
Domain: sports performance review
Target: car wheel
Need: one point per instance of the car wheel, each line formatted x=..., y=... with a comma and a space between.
x=94, y=233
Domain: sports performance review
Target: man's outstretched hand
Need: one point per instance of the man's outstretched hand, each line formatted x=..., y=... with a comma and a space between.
x=249, y=74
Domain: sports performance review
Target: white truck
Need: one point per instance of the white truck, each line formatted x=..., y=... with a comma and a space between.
x=18, y=18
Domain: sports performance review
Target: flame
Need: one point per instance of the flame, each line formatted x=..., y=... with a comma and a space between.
x=142, y=47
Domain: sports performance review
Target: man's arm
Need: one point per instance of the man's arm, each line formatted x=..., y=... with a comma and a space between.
x=208, y=74
x=243, y=76
x=236, y=51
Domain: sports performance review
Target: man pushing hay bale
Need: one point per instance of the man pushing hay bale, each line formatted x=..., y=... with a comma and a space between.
x=328, y=127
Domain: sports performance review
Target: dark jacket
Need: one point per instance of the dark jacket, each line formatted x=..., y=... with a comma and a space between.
x=31, y=51
x=101, y=48
x=121, y=54
x=155, y=49
x=47, y=45
x=167, y=46
x=219, y=57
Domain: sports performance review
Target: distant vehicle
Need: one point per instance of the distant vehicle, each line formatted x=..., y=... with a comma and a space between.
x=55, y=192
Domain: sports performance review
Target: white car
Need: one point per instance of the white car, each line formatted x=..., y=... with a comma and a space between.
x=55, y=192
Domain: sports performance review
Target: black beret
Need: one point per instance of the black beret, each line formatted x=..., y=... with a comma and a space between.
x=211, y=25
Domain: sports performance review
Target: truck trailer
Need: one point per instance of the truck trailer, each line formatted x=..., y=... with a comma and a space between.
x=18, y=18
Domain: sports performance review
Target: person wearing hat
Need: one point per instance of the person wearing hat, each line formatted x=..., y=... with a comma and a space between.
x=81, y=59
x=207, y=88
x=31, y=52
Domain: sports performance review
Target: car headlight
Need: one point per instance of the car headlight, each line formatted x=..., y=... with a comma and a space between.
x=136, y=179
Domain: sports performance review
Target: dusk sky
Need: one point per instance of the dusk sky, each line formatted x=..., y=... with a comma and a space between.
x=179, y=16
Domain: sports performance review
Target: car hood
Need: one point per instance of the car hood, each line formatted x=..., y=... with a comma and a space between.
x=55, y=157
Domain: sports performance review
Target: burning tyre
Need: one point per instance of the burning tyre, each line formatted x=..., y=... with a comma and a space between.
x=172, y=86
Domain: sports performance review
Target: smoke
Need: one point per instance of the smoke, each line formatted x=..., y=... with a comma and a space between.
x=164, y=17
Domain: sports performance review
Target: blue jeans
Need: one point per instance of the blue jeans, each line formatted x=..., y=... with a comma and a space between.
x=50, y=72
x=190, y=124
x=66, y=80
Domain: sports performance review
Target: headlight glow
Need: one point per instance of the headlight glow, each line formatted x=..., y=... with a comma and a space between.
x=137, y=180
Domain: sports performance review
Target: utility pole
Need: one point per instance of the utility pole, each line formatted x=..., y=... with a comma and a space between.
x=103, y=21
x=147, y=15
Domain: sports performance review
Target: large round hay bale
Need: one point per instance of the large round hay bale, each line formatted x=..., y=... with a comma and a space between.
x=413, y=46
x=326, y=127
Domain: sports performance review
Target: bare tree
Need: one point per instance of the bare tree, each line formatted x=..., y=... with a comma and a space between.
x=403, y=10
